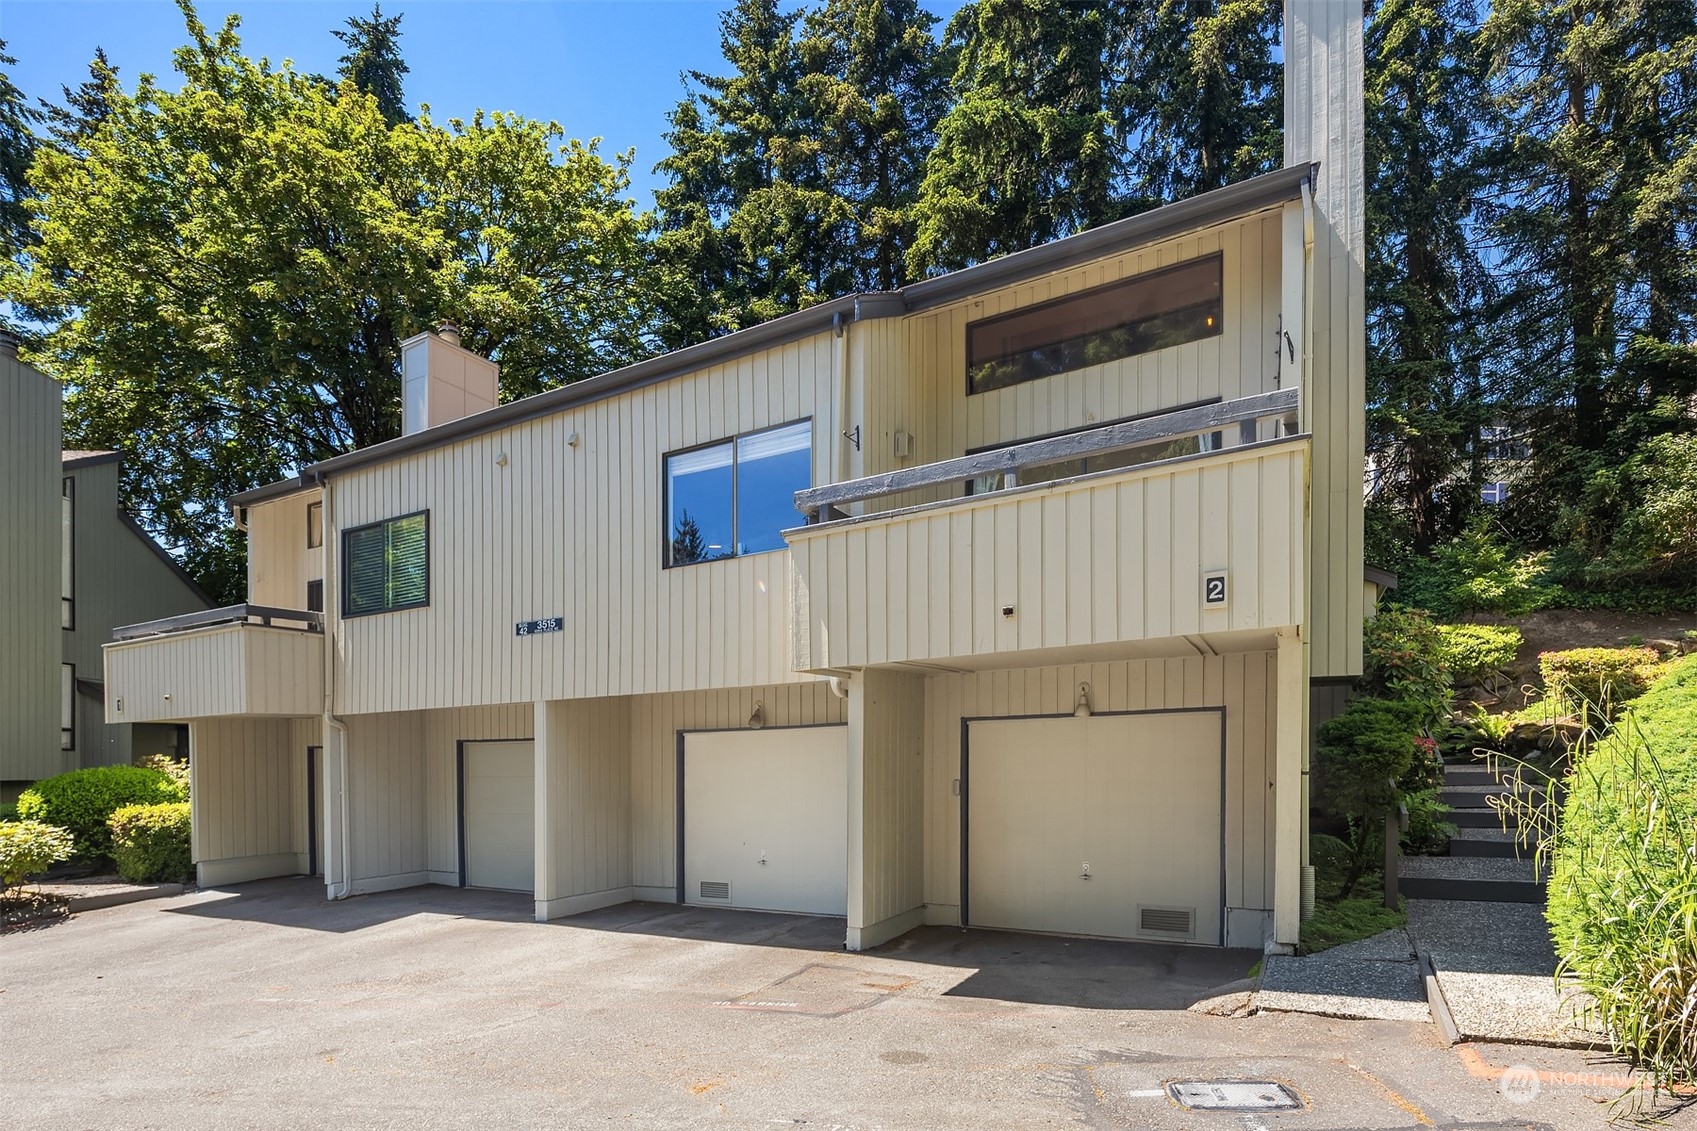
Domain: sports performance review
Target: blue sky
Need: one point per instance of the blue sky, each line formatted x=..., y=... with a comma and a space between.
x=606, y=68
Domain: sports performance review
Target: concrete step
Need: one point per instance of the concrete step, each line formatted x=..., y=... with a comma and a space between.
x=1479, y=879
x=1493, y=841
x=1478, y=796
x=1471, y=773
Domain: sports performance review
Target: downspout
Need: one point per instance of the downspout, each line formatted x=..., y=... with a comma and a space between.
x=342, y=888
x=1307, y=300
x=1308, y=876
x=844, y=404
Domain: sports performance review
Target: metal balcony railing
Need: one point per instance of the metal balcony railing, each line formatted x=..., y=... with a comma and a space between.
x=303, y=620
x=823, y=504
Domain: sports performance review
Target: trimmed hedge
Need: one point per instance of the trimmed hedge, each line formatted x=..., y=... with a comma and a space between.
x=1474, y=651
x=151, y=842
x=82, y=800
x=1623, y=884
x=1602, y=677
x=28, y=848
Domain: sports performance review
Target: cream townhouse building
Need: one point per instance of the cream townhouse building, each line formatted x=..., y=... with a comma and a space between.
x=998, y=601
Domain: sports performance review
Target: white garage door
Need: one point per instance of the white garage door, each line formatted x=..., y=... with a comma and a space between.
x=766, y=819
x=500, y=815
x=1106, y=826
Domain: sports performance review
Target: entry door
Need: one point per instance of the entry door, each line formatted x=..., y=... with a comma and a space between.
x=499, y=814
x=765, y=819
x=1106, y=826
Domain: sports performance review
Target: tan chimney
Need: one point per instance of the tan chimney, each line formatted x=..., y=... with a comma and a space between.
x=443, y=381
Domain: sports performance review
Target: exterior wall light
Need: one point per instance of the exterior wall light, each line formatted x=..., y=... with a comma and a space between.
x=1082, y=711
x=758, y=718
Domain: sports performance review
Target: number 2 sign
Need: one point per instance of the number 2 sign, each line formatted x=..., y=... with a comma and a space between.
x=1214, y=590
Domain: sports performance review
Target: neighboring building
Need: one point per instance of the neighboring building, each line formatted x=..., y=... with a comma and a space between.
x=112, y=574
x=1083, y=539
x=30, y=648
x=74, y=566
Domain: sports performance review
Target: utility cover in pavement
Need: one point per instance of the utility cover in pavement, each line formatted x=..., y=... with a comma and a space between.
x=1232, y=1095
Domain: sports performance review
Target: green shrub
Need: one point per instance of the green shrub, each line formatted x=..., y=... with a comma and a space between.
x=177, y=769
x=28, y=848
x=1360, y=759
x=81, y=800
x=1404, y=659
x=1346, y=921
x=1601, y=677
x=151, y=842
x=1479, y=572
x=1474, y=651
x=1623, y=889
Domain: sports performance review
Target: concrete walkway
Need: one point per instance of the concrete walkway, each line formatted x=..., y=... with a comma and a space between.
x=1375, y=979
x=1495, y=969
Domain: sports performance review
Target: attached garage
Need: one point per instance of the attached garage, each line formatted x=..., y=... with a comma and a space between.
x=765, y=819
x=498, y=815
x=1107, y=825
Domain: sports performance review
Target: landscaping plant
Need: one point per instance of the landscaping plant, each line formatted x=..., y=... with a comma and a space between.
x=82, y=800
x=1623, y=888
x=177, y=769
x=1601, y=678
x=150, y=843
x=1476, y=652
x=1360, y=757
x=28, y=848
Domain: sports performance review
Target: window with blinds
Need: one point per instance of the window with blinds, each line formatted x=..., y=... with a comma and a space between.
x=386, y=565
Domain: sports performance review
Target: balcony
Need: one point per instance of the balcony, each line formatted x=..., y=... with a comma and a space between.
x=1209, y=547
x=240, y=660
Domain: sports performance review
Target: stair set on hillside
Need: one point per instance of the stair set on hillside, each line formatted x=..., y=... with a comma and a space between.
x=1486, y=862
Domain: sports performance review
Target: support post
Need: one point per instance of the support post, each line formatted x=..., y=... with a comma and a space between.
x=1393, y=851
x=1288, y=794
x=547, y=879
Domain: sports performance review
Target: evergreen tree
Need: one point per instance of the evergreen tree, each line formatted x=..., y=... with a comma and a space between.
x=373, y=62
x=1026, y=154
x=85, y=107
x=876, y=88
x=1425, y=106
x=1201, y=105
x=688, y=545
x=748, y=226
x=1593, y=165
x=17, y=151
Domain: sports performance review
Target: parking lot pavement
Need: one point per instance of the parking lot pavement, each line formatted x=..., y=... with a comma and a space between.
x=264, y=1006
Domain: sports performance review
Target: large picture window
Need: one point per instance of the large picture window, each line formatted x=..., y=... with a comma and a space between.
x=1138, y=315
x=386, y=565
x=736, y=496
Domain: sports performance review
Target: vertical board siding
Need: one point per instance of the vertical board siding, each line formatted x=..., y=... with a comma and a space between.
x=922, y=389
x=247, y=794
x=443, y=732
x=389, y=834
x=280, y=563
x=237, y=669
x=1242, y=683
x=29, y=574
x=589, y=783
x=1323, y=123
x=654, y=726
x=120, y=579
x=576, y=531
x=1116, y=558
x=889, y=729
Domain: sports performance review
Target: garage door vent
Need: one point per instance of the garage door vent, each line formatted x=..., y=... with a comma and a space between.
x=1176, y=922
x=715, y=889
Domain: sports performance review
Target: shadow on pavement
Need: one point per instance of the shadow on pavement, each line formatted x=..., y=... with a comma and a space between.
x=993, y=965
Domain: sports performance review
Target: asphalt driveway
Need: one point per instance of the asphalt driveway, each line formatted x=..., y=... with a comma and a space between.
x=264, y=1006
